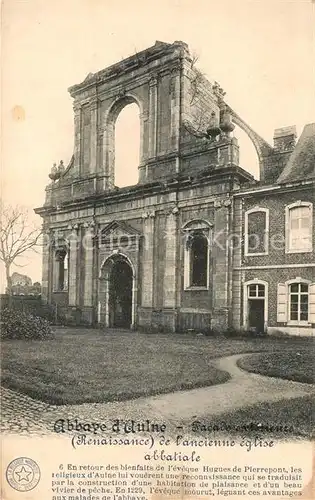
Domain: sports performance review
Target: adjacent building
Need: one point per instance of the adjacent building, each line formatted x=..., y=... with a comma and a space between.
x=197, y=243
x=21, y=284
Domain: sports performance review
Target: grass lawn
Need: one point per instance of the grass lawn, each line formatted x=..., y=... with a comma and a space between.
x=297, y=365
x=82, y=365
x=280, y=419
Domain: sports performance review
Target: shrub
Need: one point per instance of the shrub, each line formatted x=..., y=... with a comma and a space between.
x=279, y=333
x=22, y=325
x=251, y=333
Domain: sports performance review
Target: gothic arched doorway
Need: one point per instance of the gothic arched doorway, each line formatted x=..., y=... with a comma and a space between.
x=120, y=294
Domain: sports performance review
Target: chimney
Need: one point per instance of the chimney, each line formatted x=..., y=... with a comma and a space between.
x=284, y=143
x=284, y=139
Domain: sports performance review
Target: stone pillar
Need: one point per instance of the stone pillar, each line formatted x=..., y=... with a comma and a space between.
x=94, y=135
x=46, y=263
x=143, y=119
x=170, y=285
x=221, y=275
x=144, y=145
x=108, y=155
x=237, y=263
x=100, y=151
x=175, y=112
x=153, y=101
x=55, y=263
x=147, y=260
x=134, y=300
x=73, y=266
x=88, y=243
x=77, y=137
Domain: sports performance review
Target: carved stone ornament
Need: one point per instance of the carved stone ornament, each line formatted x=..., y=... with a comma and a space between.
x=61, y=168
x=153, y=81
x=218, y=90
x=227, y=202
x=94, y=101
x=213, y=129
x=121, y=93
x=76, y=105
x=176, y=69
x=217, y=204
x=54, y=174
x=226, y=124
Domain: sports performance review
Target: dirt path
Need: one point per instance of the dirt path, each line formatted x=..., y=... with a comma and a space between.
x=21, y=414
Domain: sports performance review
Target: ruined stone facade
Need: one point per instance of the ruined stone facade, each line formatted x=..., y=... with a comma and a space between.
x=169, y=252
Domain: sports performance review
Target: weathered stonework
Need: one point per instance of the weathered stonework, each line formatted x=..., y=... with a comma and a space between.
x=189, y=176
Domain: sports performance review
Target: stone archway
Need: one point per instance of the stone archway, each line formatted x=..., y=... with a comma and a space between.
x=117, y=293
x=262, y=147
x=109, y=132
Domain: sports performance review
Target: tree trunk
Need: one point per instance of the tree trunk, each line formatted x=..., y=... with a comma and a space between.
x=9, y=282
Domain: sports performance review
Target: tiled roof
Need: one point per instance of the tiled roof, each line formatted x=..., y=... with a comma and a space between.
x=301, y=164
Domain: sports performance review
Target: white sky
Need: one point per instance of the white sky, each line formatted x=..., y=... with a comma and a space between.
x=262, y=52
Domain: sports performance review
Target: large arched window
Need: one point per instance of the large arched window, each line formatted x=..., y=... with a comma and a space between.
x=61, y=270
x=198, y=260
x=197, y=255
x=127, y=146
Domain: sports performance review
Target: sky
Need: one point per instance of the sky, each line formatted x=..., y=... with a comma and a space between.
x=262, y=53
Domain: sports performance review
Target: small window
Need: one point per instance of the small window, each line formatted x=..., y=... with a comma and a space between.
x=256, y=231
x=299, y=228
x=256, y=291
x=299, y=298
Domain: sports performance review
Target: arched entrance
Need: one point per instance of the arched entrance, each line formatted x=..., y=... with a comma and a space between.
x=120, y=294
x=117, y=292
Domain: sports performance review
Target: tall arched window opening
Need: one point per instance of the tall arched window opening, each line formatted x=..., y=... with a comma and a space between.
x=62, y=271
x=127, y=146
x=197, y=255
x=198, y=260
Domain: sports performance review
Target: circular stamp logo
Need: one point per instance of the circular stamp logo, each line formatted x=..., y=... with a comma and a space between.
x=23, y=474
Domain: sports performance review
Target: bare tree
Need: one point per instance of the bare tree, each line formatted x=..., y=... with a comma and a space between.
x=196, y=80
x=200, y=114
x=17, y=236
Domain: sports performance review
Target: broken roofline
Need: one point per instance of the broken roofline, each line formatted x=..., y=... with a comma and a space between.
x=130, y=63
x=137, y=191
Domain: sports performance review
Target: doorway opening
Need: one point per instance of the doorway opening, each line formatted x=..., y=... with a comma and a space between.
x=256, y=315
x=120, y=294
x=255, y=306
